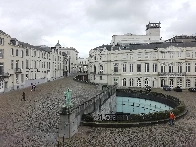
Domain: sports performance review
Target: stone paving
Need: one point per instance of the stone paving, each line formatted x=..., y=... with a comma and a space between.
x=182, y=134
x=34, y=122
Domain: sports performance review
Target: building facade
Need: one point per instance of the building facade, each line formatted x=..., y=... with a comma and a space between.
x=70, y=59
x=22, y=64
x=82, y=65
x=152, y=35
x=139, y=65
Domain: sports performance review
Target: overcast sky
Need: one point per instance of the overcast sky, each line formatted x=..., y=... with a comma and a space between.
x=86, y=24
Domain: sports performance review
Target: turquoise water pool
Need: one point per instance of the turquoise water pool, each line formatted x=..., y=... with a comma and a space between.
x=138, y=106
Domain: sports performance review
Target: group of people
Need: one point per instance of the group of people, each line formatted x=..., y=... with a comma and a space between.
x=33, y=86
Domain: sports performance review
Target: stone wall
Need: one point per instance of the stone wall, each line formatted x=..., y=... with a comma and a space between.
x=109, y=107
x=70, y=118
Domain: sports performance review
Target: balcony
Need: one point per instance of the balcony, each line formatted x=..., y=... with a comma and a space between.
x=171, y=74
x=17, y=70
x=4, y=75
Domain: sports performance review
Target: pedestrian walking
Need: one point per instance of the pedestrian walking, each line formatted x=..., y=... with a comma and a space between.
x=34, y=86
x=31, y=86
x=23, y=96
x=172, y=117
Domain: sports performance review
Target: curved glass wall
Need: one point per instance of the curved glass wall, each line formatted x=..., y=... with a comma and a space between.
x=138, y=106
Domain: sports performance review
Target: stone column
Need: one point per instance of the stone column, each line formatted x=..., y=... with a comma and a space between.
x=167, y=81
x=68, y=124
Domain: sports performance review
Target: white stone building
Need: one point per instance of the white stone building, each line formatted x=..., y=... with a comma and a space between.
x=22, y=64
x=138, y=65
x=71, y=59
x=83, y=65
x=152, y=35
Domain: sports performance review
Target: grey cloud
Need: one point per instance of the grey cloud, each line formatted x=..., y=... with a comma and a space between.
x=184, y=22
x=87, y=24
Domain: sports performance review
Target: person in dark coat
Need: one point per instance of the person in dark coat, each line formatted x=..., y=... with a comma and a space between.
x=31, y=86
x=23, y=96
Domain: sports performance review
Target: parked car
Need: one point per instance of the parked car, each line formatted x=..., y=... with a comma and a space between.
x=166, y=88
x=192, y=89
x=177, y=89
x=148, y=88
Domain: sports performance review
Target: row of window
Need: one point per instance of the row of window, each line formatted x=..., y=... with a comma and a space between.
x=138, y=81
x=154, y=55
x=38, y=64
x=147, y=68
x=17, y=53
x=44, y=55
x=154, y=68
x=81, y=62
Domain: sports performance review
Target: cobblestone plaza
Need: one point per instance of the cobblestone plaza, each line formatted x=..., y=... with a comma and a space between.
x=34, y=122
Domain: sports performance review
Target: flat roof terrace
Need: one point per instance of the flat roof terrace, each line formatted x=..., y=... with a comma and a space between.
x=34, y=122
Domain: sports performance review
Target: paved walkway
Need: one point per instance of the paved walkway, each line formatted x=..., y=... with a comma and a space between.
x=182, y=134
x=34, y=122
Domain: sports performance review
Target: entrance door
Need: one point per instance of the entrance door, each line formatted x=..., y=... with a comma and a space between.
x=139, y=83
x=171, y=83
x=162, y=82
x=179, y=82
x=146, y=82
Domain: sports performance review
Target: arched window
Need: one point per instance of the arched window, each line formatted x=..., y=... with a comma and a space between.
x=22, y=54
x=188, y=83
x=171, y=82
x=146, y=82
x=139, y=83
x=179, y=82
x=124, y=82
x=12, y=51
x=16, y=52
x=131, y=82
x=162, y=82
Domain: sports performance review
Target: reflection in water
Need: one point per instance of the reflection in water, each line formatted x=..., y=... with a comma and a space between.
x=138, y=106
